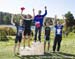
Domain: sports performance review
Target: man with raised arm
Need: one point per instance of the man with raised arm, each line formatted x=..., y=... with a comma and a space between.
x=38, y=20
x=58, y=34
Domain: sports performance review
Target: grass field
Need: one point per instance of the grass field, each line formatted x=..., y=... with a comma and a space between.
x=67, y=50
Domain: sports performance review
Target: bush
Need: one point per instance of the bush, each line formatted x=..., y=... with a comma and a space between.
x=8, y=30
x=10, y=38
x=3, y=36
x=73, y=29
x=11, y=32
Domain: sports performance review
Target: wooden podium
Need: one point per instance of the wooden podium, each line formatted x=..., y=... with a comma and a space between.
x=36, y=48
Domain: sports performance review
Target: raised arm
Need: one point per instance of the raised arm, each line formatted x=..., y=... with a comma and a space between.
x=64, y=20
x=33, y=13
x=45, y=12
x=54, y=21
x=12, y=18
x=22, y=15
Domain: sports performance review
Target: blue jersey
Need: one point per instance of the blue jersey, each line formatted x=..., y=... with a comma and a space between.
x=19, y=29
x=58, y=29
x=39, y=18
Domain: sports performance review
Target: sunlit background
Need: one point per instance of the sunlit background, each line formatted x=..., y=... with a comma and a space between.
x=58, y=7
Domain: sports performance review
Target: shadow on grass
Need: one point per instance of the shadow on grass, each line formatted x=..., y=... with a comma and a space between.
x=51, y=55
x=66, y=54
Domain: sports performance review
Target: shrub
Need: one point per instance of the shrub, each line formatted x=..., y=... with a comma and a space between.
x=3, y=36
x=11, y=32
x=10, y=38
x=73, y=29
x=8, y=30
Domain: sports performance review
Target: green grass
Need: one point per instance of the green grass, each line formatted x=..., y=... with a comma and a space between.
x=67, y=49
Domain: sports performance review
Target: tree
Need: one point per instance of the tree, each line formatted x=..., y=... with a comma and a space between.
x=17, y=18
x=1, y=17
x=69, y=20
x=6, y=19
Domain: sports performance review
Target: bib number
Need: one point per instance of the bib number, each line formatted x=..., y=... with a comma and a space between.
x=58, y=31
x=37, y=24
x=19, y=31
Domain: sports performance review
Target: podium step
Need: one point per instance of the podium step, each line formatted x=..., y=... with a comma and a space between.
x=36, y=48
